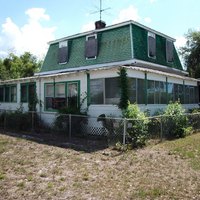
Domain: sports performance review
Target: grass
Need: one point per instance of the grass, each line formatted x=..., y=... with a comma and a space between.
x=187, y=148
x=169, y=170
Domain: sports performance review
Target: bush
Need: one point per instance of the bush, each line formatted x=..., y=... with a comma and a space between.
x=175, y=121
x=137, y=129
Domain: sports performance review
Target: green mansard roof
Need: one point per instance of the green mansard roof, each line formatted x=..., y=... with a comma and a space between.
x=119, y=43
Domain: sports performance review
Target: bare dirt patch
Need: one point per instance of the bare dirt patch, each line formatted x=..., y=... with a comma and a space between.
x=33, y=170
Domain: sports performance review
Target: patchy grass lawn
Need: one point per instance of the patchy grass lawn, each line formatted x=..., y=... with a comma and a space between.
x=31, y=170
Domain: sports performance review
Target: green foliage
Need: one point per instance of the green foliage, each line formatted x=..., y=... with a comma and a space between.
x=137, y=128
x=61, y=123
x=175, y=121
x=14, y=66
x=191, y=52
x=123, y=104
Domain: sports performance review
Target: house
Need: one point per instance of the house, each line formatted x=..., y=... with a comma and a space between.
x=86, y=65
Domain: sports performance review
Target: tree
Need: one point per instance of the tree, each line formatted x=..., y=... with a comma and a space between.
x=15, y=66
x=191, y=53
x=124, y=99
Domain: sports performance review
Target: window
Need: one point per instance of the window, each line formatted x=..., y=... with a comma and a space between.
x=13, y=95
x=150, y=92
x=132, y=90
x=170, y=88
x=112, y=91
x=140, y=91
x=151, y=45
x=63, y=52
x=91, y=47
x=49, y=95
x=169, y=51
x=8, y=93
x=59, y=95
x=1, y=94
x=72, y=95
x=24, y=92
x=97, y=91
x=105, y=91
x=27, y=92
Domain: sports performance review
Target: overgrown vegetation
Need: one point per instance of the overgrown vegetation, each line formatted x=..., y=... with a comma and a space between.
x=19, y=120
x=175, y=121
x=62, y=121
x=137, y=127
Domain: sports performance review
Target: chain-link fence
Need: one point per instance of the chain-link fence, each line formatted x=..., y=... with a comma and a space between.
x=100, y=128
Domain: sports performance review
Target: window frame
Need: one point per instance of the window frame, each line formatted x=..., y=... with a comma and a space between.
x=27, y=91
x=54, y=93
x=9, y=87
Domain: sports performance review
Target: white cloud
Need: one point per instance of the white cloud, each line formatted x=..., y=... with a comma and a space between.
x=130, y=13
x=180, y=41
x=88, y=27
x=32, y=36
x=147, y=20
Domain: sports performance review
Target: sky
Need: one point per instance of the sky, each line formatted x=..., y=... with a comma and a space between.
x=28, y=25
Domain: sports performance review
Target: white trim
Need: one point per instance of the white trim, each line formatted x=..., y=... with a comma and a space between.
x=112, y=27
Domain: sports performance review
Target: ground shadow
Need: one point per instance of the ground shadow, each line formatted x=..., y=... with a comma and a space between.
x=86, y=144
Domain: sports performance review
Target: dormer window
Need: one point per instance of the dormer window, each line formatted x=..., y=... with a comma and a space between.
x=91, y=47
x=169, y=51
x=63, y=52
x=151, y=45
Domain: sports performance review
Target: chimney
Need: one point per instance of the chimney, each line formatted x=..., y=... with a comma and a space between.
x=100, y=24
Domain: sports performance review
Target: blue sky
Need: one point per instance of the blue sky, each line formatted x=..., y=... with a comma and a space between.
x=27, y=25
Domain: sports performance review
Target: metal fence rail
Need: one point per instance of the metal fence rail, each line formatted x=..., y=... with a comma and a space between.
x=78, y=126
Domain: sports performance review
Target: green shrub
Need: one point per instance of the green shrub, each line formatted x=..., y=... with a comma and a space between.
x=175, y=122
x=137, y=128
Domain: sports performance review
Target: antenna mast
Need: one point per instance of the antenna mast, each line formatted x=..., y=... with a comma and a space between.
x=100, y=9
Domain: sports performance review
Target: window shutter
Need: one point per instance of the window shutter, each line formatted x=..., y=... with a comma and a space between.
x=169, y=51
x=91, y=48
x=152, y=46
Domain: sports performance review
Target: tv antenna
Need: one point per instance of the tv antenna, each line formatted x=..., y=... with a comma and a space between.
x=100, y=9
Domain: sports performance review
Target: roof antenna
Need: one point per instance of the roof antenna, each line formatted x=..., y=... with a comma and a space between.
x=100, y=10
x=100, y=24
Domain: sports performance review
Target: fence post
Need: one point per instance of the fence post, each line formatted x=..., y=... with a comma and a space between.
x=32, y=116
x=4, y=125
x=161, y=129
x=124, y=132
x=70, y=127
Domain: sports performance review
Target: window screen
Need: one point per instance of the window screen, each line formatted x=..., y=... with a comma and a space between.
x=96, y=91
x=112, y=91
